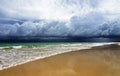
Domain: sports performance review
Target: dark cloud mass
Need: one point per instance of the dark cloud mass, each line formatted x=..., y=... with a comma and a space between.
x=84, y=18
x=90, y=25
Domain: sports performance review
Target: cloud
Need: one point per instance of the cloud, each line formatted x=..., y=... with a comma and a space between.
x=59, y=17
x=88, y=24
x=93, y=24
x=56, y=9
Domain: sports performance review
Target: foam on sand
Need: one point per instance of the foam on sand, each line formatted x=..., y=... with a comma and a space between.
x=20, y=55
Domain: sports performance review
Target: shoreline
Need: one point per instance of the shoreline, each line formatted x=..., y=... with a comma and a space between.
x=33, y=54
x=97, y=61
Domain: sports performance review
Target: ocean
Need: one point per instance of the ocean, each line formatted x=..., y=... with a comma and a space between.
x=12, y=54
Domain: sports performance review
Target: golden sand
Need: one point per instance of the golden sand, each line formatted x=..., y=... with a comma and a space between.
x=99, y=61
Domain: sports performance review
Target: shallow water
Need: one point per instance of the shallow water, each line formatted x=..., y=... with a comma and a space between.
x=15, y=55
x=97, y=61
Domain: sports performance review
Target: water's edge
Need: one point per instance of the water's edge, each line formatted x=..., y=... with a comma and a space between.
x=19, y=55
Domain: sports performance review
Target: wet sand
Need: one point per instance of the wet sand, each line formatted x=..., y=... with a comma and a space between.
x=98, y=61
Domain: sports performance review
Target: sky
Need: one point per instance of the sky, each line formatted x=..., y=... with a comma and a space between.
x=59, y=17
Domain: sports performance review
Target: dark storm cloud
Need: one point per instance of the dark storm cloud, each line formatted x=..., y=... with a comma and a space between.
x=59, y=17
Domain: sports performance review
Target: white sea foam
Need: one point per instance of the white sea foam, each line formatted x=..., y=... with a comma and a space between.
x=17, y=47
x=13, y=57
x=12, y=47
x=0, y=66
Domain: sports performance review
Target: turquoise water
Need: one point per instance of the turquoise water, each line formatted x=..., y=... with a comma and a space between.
x=34, y=44
x=40, y=44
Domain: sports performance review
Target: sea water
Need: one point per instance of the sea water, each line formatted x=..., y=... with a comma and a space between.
x=12, y=54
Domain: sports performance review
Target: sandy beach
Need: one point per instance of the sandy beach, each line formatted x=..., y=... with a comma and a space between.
x=98, y=61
